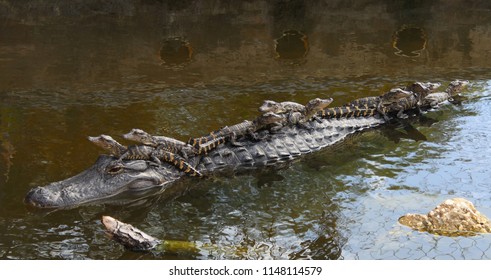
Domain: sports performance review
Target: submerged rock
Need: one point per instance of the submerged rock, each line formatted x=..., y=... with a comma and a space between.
x=453, y=217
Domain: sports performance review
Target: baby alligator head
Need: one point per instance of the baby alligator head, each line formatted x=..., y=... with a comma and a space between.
x=107, y=143
x=318, y=104
x=456, y=86
x=141, y=136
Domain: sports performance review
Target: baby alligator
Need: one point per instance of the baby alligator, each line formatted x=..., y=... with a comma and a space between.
x=436, y=98
x=421, y=89
x=169, y=144
x=143, y=152
x=231, y=133
x=295, y=113
x=270, y=106
x=109, y=144
x=398, y=100
x=310, y=111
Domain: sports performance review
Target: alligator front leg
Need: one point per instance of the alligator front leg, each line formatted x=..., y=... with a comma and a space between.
x=233, y=140
x=382, y=110
x=275, y=129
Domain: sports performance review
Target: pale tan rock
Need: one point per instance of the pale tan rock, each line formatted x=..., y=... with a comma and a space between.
x=453, y=217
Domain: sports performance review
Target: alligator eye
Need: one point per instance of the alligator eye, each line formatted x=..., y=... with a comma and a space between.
x=115, y=169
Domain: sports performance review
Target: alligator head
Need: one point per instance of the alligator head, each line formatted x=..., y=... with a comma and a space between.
x=106, y=178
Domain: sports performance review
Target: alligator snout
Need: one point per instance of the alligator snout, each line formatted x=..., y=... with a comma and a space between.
x=42, y=197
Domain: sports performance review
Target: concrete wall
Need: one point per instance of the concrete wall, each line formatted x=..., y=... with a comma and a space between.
x=53, y=43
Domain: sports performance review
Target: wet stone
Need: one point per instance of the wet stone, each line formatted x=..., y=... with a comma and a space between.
x=454, y=217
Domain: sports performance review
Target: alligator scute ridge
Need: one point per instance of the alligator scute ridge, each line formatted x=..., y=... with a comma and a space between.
x=287, y=144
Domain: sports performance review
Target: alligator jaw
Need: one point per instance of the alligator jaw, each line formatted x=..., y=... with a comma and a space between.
x=95, y=184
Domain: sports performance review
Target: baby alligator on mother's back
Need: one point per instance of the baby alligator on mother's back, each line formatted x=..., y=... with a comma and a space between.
x=113, y=174
x=231, y=133
x=156, y=153
x=436, y=98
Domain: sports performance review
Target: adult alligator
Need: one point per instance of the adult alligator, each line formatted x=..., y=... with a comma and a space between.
x=109, y=176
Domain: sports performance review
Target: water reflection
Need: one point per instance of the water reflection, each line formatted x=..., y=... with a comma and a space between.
x=68, y=72
x=236, y=42
x=175, y=51
x=409, y=41
x=291, y=45
x=7, y=148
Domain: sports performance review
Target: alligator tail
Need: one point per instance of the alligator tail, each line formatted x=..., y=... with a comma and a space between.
x=365, y=102
x=347, y=112
x=180, y=163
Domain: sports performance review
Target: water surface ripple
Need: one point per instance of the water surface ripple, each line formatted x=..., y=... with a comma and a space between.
x=82, y=72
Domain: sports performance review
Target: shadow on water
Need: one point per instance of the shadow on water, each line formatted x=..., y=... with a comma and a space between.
x=175, y=52
x=182, y=69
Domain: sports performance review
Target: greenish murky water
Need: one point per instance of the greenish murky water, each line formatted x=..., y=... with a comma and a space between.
x=68, y=72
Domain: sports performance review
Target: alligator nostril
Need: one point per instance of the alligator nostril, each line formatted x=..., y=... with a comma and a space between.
x=37, y=197
x=33, y=195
